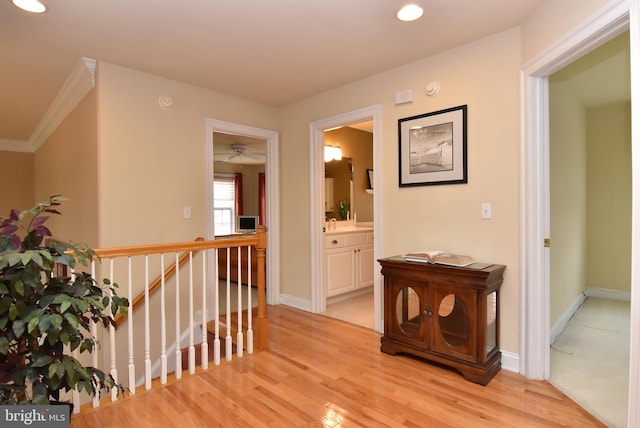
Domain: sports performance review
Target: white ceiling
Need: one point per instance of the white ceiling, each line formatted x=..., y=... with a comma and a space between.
x=271, y=51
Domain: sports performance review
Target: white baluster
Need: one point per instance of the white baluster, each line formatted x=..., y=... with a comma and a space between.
x=178, y=372
x=227, y=339
x=131, y=365
x=75, y=394
x=249, y=303
x=216, y=310
x=163, y=325
x=204, y=358
x=239, y=335
x=192, y=348
x=94, y=354
x=112, y=342
x=147, y=334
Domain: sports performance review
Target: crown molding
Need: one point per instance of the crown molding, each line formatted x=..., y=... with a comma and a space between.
x=78, y=84
x=15, y=146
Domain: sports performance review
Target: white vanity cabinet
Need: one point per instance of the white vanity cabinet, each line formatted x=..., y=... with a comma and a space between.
x=348, y=261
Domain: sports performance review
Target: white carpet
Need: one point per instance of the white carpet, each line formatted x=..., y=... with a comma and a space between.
x=590, y=360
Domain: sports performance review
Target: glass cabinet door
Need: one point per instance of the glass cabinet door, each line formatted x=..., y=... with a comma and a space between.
x=406, y=303
x=454, y=331
x=491, y=332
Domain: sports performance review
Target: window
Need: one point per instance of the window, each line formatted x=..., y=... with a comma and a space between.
x=224, y=197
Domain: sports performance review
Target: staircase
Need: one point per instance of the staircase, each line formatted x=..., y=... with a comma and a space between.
x=222, y=335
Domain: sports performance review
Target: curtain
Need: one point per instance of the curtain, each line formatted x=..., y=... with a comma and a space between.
x=262, y=201
x=239, y=196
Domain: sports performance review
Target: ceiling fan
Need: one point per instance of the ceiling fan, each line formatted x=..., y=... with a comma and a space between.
x=239, y=153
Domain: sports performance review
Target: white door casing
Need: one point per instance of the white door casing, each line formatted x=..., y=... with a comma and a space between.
x=272, y=194
x=316, y=215
x=616, y=17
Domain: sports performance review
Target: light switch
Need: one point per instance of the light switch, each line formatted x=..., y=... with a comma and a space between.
x=186, y=212
x=485, y=211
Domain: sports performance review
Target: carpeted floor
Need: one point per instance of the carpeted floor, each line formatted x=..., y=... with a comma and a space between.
x=590, y=360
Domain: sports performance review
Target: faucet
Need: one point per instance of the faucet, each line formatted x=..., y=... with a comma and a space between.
x=332, y=224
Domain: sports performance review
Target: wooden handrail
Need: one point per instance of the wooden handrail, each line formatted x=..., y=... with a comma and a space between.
x=257, y=240
x=155, y=284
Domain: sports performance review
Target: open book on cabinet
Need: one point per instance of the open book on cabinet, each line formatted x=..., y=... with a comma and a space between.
x=439, y=257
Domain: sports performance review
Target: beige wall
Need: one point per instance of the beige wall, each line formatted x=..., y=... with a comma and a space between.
x=590, y=178
x=590, y=156
x=482, y=74
x=609, y=198
x=16, y=178
x=552, y=21
x=568, y=175
x=67, y=164
x=153, y=161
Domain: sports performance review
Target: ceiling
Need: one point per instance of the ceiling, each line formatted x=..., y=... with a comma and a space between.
x=273, y=52
x=601, y=77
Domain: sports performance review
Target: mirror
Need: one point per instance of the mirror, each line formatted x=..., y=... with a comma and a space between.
x=347, y=180
x=339, y=189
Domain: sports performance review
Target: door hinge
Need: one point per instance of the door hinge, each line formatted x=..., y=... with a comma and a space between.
x=547, y=242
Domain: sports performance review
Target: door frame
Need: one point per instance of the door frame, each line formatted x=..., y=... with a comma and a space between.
x=272, y=194
x=610, y=21
x=316, y=215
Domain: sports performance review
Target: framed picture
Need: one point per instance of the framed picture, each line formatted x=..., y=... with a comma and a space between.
x=433, y=148
x=370, y=178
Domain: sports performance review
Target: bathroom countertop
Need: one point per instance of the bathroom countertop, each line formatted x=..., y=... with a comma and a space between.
x=348, y=229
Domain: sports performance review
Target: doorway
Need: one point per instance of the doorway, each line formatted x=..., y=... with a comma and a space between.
x=614, y=19
x=271, y=142
x=590, y=221
x=317, y=214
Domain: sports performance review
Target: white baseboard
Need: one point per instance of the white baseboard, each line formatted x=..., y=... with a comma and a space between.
x=347, y=296
x=601, y=293
x=510, y=361
x=566, y=316
x=295, y=302
x=607, y=293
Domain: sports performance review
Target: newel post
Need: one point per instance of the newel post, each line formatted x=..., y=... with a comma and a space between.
x=262, y=323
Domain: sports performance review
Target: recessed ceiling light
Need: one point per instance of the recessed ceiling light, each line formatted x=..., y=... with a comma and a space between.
x=33, y=6
x=410, y=12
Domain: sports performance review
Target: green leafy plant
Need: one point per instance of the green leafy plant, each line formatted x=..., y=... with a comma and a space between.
x=45, y=311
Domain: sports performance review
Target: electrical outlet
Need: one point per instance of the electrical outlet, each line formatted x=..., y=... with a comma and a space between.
x=186, y=212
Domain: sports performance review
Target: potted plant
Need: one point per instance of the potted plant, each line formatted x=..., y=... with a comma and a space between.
x=45, y=312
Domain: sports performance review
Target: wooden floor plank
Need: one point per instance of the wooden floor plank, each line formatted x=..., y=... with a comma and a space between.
x=321, y=372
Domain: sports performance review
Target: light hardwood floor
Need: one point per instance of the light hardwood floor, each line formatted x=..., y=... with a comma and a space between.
x=323, y=372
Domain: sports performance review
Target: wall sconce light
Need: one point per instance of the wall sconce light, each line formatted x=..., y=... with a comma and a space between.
x=332, y=153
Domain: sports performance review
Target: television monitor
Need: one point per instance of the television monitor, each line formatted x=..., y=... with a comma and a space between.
x=247, y=223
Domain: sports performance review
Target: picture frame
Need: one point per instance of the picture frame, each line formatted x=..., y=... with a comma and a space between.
x=370, y=178
x=433, y=148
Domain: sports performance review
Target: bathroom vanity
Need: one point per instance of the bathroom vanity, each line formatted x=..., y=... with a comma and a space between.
x=348, y=260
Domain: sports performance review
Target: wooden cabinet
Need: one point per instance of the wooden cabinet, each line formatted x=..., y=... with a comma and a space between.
x=445, y=314
x=348, y=262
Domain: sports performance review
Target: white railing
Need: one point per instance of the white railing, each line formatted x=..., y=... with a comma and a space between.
x=203, y=280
